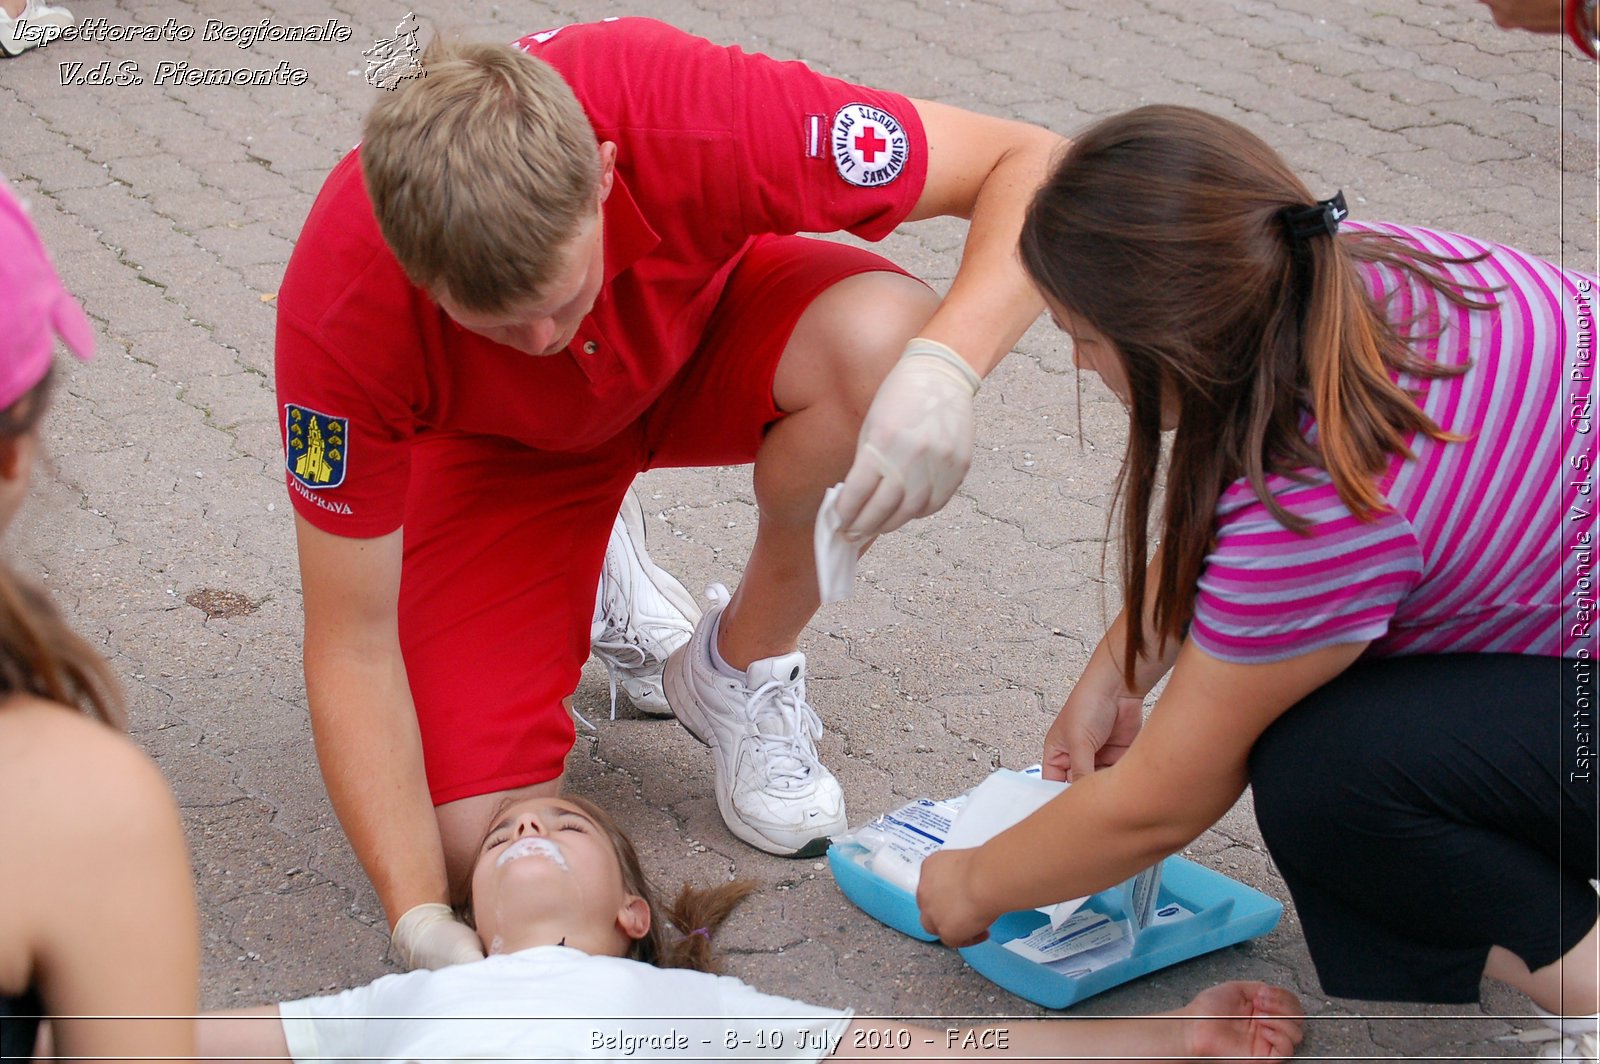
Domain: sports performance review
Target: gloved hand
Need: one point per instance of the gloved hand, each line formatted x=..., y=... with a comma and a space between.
x=915, y=444
x=430, y=936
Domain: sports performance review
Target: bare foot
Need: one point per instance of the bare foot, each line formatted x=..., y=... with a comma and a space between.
x=1244, y=1021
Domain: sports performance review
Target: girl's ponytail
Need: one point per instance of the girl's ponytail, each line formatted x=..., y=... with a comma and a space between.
x=697, y=913
x=1349, y=352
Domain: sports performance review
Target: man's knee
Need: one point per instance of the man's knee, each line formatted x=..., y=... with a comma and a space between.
x=849, y=338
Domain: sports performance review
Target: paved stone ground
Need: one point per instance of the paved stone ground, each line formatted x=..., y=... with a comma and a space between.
x=162, y=524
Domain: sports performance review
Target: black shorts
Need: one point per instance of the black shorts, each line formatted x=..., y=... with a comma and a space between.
x=1423, y=809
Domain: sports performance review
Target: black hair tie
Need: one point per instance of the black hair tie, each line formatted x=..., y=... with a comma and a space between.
x=1303, y=223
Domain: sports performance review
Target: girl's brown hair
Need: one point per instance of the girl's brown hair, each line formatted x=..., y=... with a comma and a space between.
x=683, y=939
x=1162, y=229
x=39, y=654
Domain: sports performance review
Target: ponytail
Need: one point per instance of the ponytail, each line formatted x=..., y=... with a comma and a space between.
x=696, y=915
x=1350, y=351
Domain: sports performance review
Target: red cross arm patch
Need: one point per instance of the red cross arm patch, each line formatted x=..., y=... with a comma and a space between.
x=869, y=145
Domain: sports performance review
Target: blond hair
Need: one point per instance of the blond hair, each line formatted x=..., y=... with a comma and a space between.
x=480, y=173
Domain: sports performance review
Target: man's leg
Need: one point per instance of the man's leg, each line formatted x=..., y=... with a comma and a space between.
x=841, y=349
x=791, y=359
x=504, y=546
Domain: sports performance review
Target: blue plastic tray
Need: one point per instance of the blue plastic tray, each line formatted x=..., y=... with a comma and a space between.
x=1225, y=912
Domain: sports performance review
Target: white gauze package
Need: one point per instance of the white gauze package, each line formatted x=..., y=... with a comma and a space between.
x=893, y=846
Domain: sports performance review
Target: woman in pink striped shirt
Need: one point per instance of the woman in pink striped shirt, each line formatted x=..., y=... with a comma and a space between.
x=1373, y=587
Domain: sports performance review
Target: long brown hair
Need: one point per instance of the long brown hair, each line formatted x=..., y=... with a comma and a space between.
x=1162, y=229
x=39, y=654
x=683, y=939
x=680, y=934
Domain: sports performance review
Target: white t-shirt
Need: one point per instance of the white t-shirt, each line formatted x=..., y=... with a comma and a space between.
x=553, y=1003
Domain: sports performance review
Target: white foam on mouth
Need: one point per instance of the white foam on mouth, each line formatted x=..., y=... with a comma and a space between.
x=533, y=846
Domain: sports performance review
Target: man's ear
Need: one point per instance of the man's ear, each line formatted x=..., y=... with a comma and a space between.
x=633, y=919
x=608, y=165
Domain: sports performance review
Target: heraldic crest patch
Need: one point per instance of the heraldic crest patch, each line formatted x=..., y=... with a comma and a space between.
x=315, y=448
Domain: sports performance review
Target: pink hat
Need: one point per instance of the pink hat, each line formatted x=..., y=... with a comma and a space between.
x=34, y=308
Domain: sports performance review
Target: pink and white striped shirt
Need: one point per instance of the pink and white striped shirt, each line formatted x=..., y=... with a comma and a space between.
x=1489, y=543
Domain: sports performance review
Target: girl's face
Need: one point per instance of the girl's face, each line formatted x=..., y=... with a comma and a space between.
x=546, y=865
x=1092, y=351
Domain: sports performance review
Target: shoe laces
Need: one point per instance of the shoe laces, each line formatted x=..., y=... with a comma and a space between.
x=623, y=644
x=790, y=740
x=791, y=745
x=619, y=646
x=625, y=637
x=609, y=652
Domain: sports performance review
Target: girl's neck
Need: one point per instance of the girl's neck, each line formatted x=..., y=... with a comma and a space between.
x=556, y=931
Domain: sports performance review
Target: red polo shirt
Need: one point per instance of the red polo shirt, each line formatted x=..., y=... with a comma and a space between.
x=715, y=147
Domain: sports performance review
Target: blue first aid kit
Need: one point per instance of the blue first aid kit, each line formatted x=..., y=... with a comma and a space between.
x=1058, y=956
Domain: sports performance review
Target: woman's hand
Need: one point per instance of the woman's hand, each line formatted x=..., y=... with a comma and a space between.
x=1094, y=728
x=945, y=899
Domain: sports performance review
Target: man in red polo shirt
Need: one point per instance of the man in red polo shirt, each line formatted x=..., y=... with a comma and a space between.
x=546, y=269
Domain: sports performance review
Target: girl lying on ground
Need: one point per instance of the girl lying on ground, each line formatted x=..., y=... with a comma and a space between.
x=1374, y=586
x=572, y=929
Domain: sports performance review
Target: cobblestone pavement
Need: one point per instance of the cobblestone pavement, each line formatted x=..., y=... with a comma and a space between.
x=163, y=527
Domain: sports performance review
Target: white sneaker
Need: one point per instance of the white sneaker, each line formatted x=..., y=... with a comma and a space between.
x=771, y=789
x=641, y=615
x=39, y=23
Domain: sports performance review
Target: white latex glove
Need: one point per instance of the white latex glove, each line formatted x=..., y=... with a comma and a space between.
x=430, y=936
x=915, y=444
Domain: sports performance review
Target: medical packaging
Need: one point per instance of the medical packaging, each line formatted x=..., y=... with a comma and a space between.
x=1062, y=953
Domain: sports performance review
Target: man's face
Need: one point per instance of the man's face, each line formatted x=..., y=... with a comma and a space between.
x=546, y=323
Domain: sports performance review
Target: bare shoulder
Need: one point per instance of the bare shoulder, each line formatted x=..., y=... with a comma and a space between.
x=81, y=806
x=58, y=764
x=33, y=728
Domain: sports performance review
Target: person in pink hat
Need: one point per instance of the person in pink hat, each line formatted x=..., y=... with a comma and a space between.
x=80, y=805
